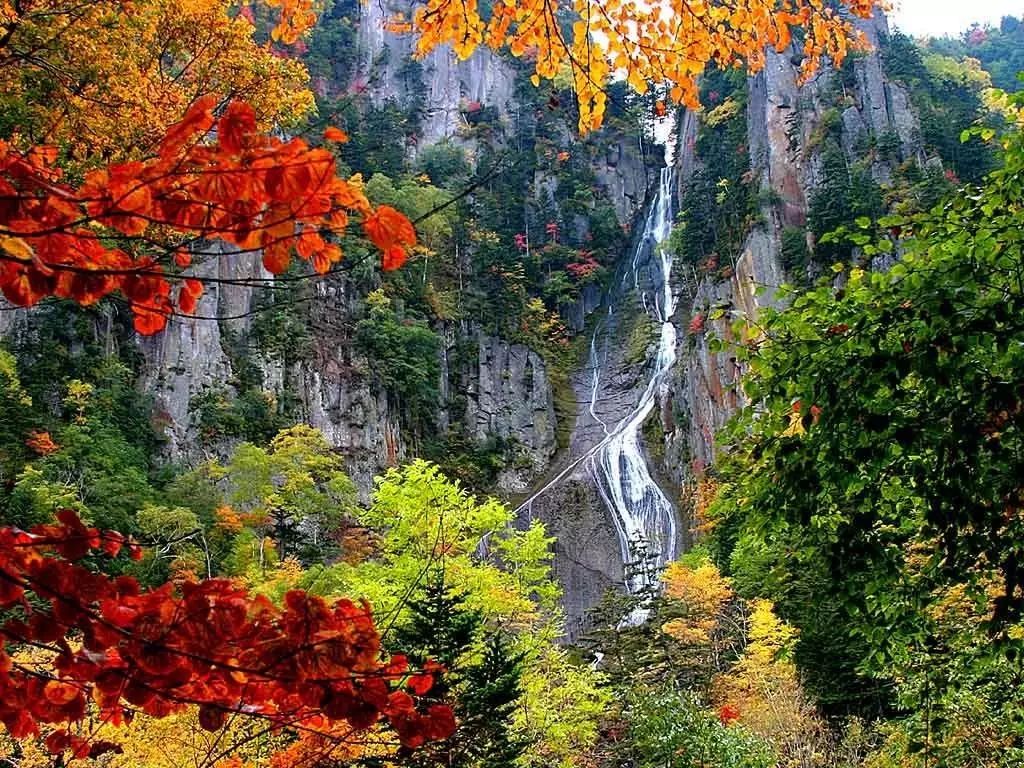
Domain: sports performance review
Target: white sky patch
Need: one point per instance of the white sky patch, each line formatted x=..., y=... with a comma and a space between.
x=949, y=17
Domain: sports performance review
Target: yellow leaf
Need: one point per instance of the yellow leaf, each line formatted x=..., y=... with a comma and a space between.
x=796, y=425
x=17, y=247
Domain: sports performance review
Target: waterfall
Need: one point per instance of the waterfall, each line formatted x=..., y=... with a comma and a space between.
x=642, y=514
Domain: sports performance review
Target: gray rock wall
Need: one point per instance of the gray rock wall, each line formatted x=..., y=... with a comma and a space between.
x=506, y=387
x=448, y=84
x=784, y=118
x=509, y=397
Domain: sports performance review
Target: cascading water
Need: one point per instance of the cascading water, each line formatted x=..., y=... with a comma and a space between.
x=644, y=518
x=643, y=515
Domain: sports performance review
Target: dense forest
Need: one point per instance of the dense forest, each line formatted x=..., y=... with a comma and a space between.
x=525, y=384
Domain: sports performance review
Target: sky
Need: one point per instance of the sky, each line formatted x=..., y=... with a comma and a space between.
x=949, y=17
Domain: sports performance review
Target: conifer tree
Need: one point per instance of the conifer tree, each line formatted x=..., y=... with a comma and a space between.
x=482, y=680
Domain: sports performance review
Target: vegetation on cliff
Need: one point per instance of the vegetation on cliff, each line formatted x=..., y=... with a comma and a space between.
x=855, y=592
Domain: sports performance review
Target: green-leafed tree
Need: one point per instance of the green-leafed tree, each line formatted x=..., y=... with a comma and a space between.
x=403, y=356
x=874, y=490
x=423, y=522
x=296, y=488
x=670, y=729
x=15, y=422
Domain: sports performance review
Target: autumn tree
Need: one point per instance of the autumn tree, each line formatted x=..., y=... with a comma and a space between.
x=112, y=177
x=256, y=192
x=502, y=578
x=104, y=80
x=674, y=729
x=103, y=648
x=875, y=494
x=295, y=488
x=666, y=45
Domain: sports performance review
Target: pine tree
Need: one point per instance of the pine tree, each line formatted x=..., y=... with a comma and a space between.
x=482, y=681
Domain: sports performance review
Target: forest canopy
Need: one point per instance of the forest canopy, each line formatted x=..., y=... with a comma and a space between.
x=313, y=339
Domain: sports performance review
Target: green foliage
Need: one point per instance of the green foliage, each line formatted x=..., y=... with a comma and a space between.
x=445, y=164
x=99, y=467
x=403, y=356
x=377, y=136
x=416, y=199
x=717, y=201
x=482, y=678
x=879, y=477
x=640, y=334
x=67, y=343
x=917, y=189
x=564, y=702
x=947, y=95
x=500, y=575
x=672, y=730
x=333, y=45
x=427, y=519
x=999, y=49
x=473, y=465
x=15, y=420
x=845, y=194
x=252, y=414
x=794, y=253
x=171, y=535
x=296, y=486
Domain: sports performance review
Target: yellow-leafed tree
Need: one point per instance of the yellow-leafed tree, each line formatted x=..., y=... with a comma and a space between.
x=668, y=44
x=107, y=78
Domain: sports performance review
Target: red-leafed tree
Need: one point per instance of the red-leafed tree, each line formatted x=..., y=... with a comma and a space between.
x=212, y=177
x=112, y=649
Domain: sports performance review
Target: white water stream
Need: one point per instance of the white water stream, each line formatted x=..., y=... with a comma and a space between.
x=644, y=517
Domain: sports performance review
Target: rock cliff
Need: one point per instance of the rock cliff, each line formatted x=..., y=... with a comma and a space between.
x=495, y=389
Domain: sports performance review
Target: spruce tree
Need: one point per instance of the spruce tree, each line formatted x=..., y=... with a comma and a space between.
x=482, y=681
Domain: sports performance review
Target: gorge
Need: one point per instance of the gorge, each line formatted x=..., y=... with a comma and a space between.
x=604, y=438
x=365, y=402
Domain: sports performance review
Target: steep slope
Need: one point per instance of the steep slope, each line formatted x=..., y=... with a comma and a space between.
x=491, y=389
x=768, y=168
x=553, y=342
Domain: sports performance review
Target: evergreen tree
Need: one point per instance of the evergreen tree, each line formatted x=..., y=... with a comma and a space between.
x=482, y=681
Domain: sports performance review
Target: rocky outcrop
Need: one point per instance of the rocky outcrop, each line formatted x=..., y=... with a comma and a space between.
x=330, y=389
x=446, y=84
x=509, y=397
x=785, y=122
x=189, y=356
x=624, y=177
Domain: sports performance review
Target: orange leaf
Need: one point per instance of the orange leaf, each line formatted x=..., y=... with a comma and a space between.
x=236, y=127
x=387, y=227
x=189, y=295
x=393, y=257
x=336, y=135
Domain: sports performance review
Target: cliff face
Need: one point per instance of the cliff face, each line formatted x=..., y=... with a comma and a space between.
x=445, y=83
x=193, y=357
x=788, y=127
x=500, y=390
x=785, y=122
